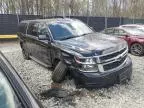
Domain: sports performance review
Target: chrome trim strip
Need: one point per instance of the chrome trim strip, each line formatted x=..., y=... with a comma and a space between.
x=114, y=58
x=101, y=64
x=101, y=69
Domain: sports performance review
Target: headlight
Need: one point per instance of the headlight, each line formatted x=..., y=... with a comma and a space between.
x=85, y=60
x=87, y=64
x=89, y=61
x=89, y=68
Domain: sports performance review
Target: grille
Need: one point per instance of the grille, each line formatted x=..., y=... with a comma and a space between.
x=114, y=64
x=110, y=56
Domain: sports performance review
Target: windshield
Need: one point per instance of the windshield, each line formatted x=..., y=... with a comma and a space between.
x=7, y=97
x=134, y=31
x=68, y=29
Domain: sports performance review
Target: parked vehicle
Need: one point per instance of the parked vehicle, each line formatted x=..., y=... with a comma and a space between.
x=13, y=91
x=69, y=45
x=132, y=26
x=133, y=36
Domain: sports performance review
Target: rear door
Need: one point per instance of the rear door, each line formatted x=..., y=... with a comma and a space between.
x=32, y=37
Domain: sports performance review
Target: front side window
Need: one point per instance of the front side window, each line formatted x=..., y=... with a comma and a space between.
x=42, y=29
x=7, y=97
x=63, y=30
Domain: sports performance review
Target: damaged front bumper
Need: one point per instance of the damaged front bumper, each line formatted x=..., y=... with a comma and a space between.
x=103, y=79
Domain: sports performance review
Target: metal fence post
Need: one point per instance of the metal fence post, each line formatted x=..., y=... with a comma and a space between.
x=18, y=18
x=106, y=22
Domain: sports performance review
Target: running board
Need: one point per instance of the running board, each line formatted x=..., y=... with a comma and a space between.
x=38, y=61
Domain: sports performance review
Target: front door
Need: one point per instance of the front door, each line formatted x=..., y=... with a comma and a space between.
x=44, y=45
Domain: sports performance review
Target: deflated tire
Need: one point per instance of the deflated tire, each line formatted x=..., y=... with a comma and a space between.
x=59, y=72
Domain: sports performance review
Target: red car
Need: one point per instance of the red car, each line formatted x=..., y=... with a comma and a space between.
x=133, y=36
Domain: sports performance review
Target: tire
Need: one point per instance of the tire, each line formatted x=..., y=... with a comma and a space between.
x=137, y=49
x=59, y=72
x=25, y=54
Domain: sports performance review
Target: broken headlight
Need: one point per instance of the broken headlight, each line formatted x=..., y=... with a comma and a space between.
x=86, y=64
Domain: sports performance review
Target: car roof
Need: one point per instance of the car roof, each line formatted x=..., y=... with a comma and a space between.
x=48, y=21
x=130, y=25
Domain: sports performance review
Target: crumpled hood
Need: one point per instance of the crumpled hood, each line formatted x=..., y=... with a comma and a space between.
x=95, y=42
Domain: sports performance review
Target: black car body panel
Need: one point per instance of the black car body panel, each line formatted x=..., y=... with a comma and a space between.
x=25, y=97
x=99, y=48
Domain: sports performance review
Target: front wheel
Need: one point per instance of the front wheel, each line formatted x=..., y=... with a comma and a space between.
x=137, y=49
x=59, y=72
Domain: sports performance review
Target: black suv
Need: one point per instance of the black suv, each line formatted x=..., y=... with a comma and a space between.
x=69, y=45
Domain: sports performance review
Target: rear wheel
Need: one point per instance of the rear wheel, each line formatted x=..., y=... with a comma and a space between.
x=59, y=72
x=137, y=49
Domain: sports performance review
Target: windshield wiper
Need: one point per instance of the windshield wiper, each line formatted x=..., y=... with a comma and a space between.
x=68, y=37
x=74, y=36
x=86, y=34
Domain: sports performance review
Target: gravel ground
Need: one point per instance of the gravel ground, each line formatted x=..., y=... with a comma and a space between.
x=38, y=79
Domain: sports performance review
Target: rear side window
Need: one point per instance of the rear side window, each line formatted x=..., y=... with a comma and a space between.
x=119, y=32
x=109, y=31
x=22, y=28
x=32, y=29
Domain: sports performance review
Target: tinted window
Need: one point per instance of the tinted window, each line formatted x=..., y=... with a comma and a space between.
x=23, y=27
x=32, y=29
x=8, y=99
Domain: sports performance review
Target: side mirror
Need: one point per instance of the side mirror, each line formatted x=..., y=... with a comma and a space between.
x=42, y=37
